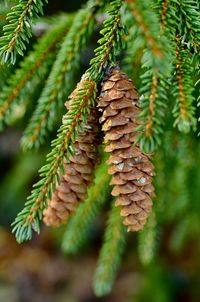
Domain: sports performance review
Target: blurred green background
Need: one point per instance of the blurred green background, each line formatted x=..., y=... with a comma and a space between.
x=39, y=271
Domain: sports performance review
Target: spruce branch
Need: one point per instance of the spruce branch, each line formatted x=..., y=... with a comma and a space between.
x=111, y=43
x=148, y=24
x=60, y=81
x=153, y=101
x=19, y=29
x=163, y=13
x=133, y=53
x=110, y=254
x=79, y=226
x=191, y=24
x=156, y=69
x=154, y=93
x=183, y=88
x=28, y=219
x=181, y=17
x=32, y=69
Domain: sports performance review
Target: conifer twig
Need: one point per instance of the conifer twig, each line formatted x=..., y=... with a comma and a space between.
x=155, y=71
x=148, y=25
x=191, y=26
x=19, y=28
x=32, y=67
x=111, y=42
x=183, y=87
x=163, y=13
x=154, y=103
x=110, y=254
x=60, y=80
x=28, y=219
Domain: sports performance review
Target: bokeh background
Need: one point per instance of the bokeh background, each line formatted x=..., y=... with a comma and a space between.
x=39, y=270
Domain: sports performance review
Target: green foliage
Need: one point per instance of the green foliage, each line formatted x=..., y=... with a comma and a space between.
x=4, y=9
x=132, y=58
x=190, y=19
x=186, y=209
x=111, y=43
x=182, y=28
x=148, y=26
x=183, y=90
x=156, y=285
x=60, y=80
x=181, y=16
x=19, y=29
x=110, y=254
x=153, y=101
x=157, y=68
x=155, y=71
x=148, y=240
x=28, y=219
x=178, y=183
x=79, y=227
x=5, y=73
x=32, y=69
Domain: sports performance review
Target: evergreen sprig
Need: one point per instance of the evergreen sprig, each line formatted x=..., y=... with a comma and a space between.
x=80, y=226
x=133, y=54
x=191, y=27
x=60, y=80
x=183, y=89
x=155, y=73
x=148, y=25
x=111, y=43
x=163, y=6
x=28, y=219
x=182, y=28
x=153, y=101
x=110, y=254
x=19, y=29
x=181, y=16
x=32, y=69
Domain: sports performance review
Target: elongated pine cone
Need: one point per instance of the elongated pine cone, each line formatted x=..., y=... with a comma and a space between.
x=131, y=169
x=78, y=174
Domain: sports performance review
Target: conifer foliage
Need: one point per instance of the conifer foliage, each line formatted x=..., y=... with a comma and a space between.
x=159, y=40
x=19, y=28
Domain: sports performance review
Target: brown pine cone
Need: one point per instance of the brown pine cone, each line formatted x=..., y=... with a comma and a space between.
x=78, y=173
x=130, y=168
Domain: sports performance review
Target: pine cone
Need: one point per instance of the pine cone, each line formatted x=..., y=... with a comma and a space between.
x=131, y=169
x=78, y=173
